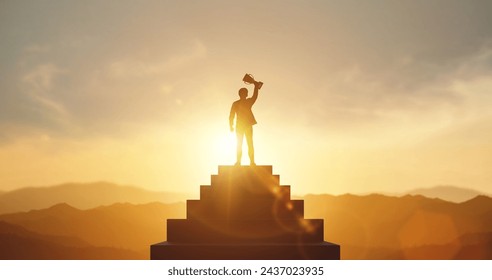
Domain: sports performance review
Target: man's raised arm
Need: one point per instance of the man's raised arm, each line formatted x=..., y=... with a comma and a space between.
x=255, y=93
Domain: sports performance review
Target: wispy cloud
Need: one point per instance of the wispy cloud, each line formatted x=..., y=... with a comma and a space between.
x=39, y=84
x=41, y=78
x=134, y=66
x=37, y=48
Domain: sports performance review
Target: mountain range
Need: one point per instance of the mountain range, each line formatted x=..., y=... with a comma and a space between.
x=378, y=223
x=122, y=225
x=81, y=196
x=367, y=227
x=90, y=195
x=17, y=243
x=449, y=193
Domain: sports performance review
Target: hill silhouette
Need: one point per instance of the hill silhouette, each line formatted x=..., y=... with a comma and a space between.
x=124, y=226
x=82, y=196
x=448, y=193
x=367, y=227
x=6, y=229
x=467, y=247
x=18, y=243
x=381, y=222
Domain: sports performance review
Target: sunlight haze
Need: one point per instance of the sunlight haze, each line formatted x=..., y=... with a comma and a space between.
x=358, y=96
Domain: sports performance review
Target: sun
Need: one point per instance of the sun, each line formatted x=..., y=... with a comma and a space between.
x=225, y=147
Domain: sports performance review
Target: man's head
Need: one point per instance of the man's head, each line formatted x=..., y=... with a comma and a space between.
x=243, y=93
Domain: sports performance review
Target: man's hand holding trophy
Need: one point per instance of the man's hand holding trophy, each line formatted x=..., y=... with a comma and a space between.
x=249, y=79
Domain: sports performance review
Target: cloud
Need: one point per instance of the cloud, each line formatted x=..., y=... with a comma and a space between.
x=377, y=107
x=79, y=98
x=139, y=87
x=197, y=51
x=31, y=102
x=362, y=66
x=134, y=67
x=41, y=78
x=40, y=84
x=37, y=48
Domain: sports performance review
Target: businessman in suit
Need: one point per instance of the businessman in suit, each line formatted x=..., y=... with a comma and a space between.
x=241, y=109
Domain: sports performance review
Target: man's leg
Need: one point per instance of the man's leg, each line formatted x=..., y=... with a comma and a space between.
x=249, y=139
x=239, y=145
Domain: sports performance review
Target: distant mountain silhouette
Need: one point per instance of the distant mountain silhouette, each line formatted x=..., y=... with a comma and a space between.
x=18, y=243
x=467, y=247
x=6, y=228
x=449, y=193
x=377, y=221
x=125, y=226
x=367, y=227
x=82, y=196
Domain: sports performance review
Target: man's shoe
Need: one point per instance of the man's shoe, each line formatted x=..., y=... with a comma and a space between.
x=237, y=164
x=252, y=164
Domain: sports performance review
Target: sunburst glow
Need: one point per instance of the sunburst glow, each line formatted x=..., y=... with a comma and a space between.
x=224, y=148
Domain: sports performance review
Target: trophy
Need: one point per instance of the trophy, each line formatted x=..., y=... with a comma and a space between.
x=249, y=79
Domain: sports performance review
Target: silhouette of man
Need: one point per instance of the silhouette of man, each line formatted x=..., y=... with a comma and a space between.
x=244, y=122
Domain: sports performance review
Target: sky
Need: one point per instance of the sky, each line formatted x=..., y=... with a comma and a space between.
x=358, y=96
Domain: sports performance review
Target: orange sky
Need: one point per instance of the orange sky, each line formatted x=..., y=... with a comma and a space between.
x=358, y=97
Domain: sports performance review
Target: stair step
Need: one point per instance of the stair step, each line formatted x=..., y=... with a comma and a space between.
x=223, y=231
x=253, y=209
x=208, y=192
x=256, y=184
x=232, y=169
x=262, y=251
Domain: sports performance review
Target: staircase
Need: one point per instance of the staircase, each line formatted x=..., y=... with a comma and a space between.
x=245, y=214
